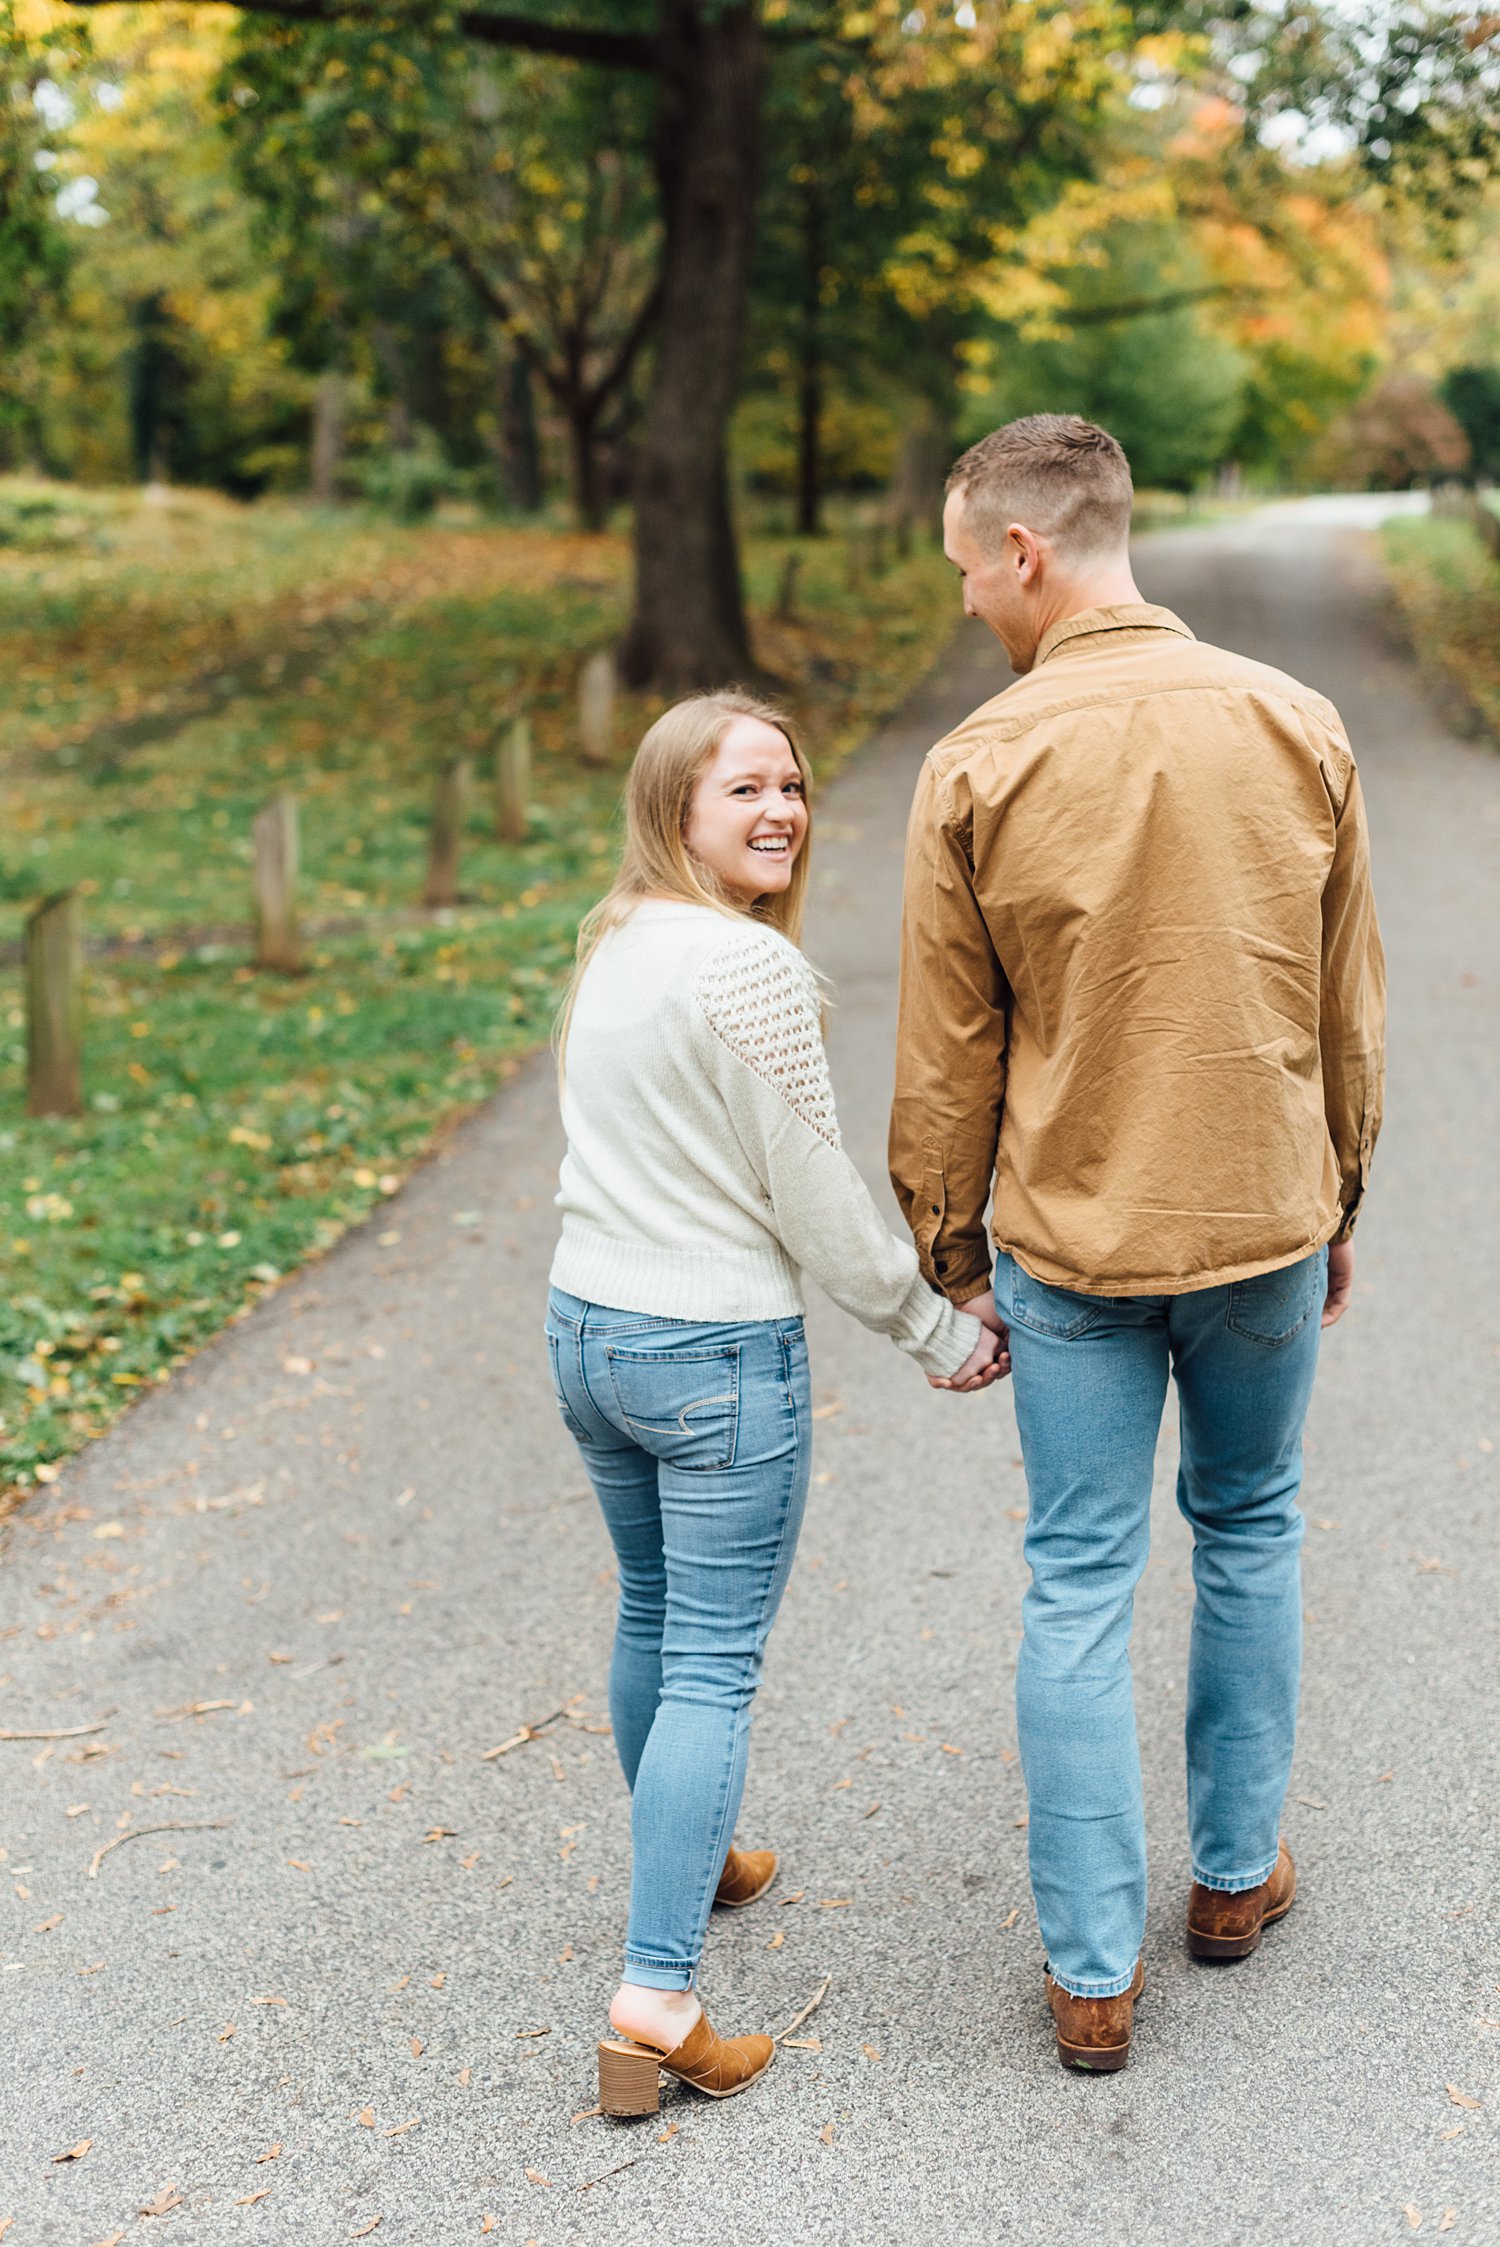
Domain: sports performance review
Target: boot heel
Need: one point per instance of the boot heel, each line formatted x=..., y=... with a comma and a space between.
x=629, y=2079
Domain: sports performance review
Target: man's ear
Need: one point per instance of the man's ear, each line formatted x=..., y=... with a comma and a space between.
x=1025, y=553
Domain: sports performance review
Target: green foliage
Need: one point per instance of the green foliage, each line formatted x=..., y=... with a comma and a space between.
x=1164, y=383
x=34, y=246
x=1447, y=587
x=1472, y=396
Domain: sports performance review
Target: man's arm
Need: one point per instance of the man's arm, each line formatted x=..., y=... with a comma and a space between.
x=950, y=1048
x=1352, y=1011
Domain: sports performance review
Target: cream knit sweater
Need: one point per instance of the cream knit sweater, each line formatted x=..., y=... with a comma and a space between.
x=704, y=1168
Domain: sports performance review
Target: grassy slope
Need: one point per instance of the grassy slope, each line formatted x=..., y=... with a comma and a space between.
x=1448, y=590
x=235, y=1122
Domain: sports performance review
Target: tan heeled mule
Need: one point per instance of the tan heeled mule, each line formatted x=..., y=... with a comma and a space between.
x=747, y=1874
x=630, y=2072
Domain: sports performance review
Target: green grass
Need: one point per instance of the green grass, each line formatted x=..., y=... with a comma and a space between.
x=1448, y=590
x=235, y=1122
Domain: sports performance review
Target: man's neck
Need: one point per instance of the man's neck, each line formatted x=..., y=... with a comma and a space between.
x=1104, y=585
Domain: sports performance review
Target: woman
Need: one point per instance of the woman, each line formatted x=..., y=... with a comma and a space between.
x=703, y=1169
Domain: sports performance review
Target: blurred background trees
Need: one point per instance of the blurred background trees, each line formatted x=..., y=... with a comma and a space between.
x=712, y=258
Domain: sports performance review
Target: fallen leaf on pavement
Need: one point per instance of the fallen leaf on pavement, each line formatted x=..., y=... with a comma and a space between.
x=522, y=2035
x=365, y=2230
x=45, y=1926
x=1450, y=2218
x=948, y=1749
x=366, y=2118
x=1456, y=2132
x=777, y=1940
x=1014, y=1916
x=299, y=1864
x=272, y=2153
x=465, y=2077
x=441, y=1833
x=166, y=2200
x=7, y=2221
x=248, y=2199
x=437, y=1981
x=834, y=1903
x=1413, y=2216
x=487, y=2223
x=113, y=2240
x=869, y=2052
x=402, y=2127
x=584, y=2114
x=226, y=2034
x=75, y=2153
x=537, y=2178
x=268, y=2001
x=1463, y=2098
x=417, y=2048
x=803, y=2043
x=825, y=2135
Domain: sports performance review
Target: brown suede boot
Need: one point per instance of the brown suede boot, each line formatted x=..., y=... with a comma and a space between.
x=1227, y=1924
x=719, y=2066
x=747, y=1874
x=1093, y=2033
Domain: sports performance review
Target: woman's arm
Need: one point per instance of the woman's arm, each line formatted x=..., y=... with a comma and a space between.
x=763, y=1043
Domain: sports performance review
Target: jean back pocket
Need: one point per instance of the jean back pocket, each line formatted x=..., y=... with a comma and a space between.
x=1054, y=1311
x=1273, y=1306
x=683, y=1406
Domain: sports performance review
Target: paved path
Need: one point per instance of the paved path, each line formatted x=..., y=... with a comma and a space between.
x=350, y=1544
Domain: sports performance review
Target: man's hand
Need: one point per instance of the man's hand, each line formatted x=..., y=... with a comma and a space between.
x=1340, y=1282
x=988, y=1361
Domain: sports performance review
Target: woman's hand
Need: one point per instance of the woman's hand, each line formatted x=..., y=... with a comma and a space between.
x=988, y=1361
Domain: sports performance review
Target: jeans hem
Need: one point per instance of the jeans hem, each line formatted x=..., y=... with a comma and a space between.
x=1092, y=1989
x=646, y=1974
x=1235, y=1884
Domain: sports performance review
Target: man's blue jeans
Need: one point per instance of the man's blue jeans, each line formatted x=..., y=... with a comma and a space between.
x=1090, y=1375
x=697, y=1440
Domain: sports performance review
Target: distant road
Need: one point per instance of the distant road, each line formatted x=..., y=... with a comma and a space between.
x=346, y=1553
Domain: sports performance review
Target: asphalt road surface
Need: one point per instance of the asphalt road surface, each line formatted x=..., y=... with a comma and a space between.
x=347, y=1552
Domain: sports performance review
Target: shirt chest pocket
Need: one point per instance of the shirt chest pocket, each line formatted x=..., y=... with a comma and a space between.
x=683, y=1406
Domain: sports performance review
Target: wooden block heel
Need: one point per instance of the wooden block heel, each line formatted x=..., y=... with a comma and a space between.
x=629, y=2078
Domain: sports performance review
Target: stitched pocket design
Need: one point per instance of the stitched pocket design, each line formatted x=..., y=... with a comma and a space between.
x=1055, y=1311
x=1273, y=1306
x=682, y=1406
x=570, y=1421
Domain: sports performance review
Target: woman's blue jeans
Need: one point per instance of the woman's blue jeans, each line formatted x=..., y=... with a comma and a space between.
x=1090, y=1377
x=697, y=1440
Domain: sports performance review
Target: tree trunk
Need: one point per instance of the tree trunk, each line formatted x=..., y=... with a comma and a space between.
x=520, y=453
x=810, y=387
x=583, y=460
x=688, y=629
x=329, y=401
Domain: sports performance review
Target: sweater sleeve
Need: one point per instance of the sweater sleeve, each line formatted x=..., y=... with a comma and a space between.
x=758, y=1003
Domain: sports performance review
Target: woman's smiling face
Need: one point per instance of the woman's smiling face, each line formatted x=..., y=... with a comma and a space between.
x=749, y=813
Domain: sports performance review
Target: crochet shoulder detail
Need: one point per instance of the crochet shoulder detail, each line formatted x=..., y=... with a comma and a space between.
x=760, y=999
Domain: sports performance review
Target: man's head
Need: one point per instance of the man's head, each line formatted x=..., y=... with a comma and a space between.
x=1037, y=521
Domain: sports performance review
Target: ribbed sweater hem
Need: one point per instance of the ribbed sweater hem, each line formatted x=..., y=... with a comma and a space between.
x=719, y=1286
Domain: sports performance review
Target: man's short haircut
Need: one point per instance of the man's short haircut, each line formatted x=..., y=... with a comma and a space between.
x=1061, y=476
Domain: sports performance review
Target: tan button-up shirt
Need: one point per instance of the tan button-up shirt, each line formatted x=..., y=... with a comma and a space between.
x=1142, y=987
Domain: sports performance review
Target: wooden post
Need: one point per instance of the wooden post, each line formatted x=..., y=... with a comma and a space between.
x=596, y=708
x=278, y=940
x=512, y=781
x=877, y=549
x=54, y=1006
x=449, y=803
x=854, y=558
x=786, y=597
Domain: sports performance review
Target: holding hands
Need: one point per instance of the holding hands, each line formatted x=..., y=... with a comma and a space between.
x=989, y=1360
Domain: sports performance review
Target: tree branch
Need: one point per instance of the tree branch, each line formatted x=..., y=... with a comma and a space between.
x=620, y=50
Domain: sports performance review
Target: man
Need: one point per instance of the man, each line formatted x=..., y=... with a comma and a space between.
x=1143, y=997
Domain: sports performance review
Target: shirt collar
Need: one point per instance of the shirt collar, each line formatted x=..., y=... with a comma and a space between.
x=1126, y=616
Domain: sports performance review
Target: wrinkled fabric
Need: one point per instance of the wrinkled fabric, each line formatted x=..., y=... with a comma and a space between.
x=1142, y=985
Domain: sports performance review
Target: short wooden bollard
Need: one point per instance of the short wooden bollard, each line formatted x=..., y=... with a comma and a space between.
x=596, y=708
x=278, y=939
x=450, y=802
x=512, y=781
x=54, y=1006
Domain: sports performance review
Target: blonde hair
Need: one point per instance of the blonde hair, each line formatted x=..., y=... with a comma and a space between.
x=655, y=861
